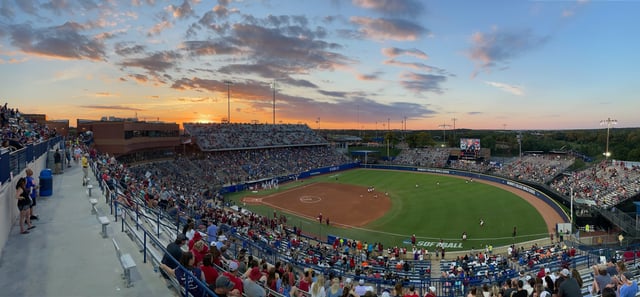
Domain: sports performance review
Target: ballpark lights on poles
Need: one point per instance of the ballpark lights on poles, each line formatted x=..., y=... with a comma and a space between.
x=228, y=83
x=608, y=122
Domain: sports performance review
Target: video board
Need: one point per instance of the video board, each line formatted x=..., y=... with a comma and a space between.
x=469, y=144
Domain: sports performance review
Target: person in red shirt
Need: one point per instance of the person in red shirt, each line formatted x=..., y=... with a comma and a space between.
x=305, y=281
x=431, y=292
x=210, y=272
x=412, y=292
x=231, y=274
x=196, y=237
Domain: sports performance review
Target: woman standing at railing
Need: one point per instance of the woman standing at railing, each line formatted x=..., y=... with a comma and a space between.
x=32, y=188
x=24, y=204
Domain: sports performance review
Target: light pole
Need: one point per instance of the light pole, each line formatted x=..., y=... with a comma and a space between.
x=228, y=83
x=444, y=127
x=273, y=86
x=454, y=119
x=609, y=122
x=571, y=218
x=519, y=137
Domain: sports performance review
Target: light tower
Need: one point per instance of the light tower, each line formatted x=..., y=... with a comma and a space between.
x=609, y=122
x=454, y=119
x=444, y=127
x=228, y=83
x=274, y=87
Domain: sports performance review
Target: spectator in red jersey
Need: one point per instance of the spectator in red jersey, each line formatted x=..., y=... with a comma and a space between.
x=232, y=275
x=210, y=272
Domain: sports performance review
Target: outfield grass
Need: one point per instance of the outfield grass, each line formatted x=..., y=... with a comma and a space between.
x=440, y=208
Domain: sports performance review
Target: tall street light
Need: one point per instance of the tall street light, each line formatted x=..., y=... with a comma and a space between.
x=228, y=83
x=609, y=122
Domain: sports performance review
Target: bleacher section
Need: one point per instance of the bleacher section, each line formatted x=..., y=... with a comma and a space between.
x=232, y=136
x=607, y=184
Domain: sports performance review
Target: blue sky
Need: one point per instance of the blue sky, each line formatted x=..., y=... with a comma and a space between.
x=337, y=63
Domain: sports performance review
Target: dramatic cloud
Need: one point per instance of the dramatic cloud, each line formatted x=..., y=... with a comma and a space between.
x=155, y=63
x=111, y=107
x=333, y=93
x=159, y=27
x=274, y=52
x=183, y=11
x=416, y=66
x=209, y=48
x=516, y=90
x=367, y=110
x=392, y=7
x=63, y=42
x=389, y=29
x=419, y=83
x=141, y=78
x=497, y=48
x=368, y=77
x=128, y=49
x=393, y=52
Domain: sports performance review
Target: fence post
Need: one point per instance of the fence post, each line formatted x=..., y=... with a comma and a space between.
x=158, y=224
x=137, y=223
x=144, y=244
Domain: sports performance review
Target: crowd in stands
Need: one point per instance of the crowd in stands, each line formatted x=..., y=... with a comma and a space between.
x=204, y=237
x=16, y=131
x=531, y=168
x=424, y=157
x=606, y=184
x=534, y=168
x=223, y=168
x=228, y=136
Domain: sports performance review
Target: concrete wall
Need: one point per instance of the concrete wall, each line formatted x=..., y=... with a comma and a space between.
x=9, y=213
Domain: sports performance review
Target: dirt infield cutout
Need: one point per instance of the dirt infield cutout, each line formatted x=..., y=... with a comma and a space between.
x=345, y=205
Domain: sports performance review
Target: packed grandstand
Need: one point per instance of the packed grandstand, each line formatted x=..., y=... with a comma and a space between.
x=180, y=197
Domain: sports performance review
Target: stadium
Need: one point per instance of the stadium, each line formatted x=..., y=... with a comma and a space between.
x=341, y=148
x=280, y=199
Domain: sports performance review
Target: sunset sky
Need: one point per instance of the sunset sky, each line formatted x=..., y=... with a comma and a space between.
x=349, y=63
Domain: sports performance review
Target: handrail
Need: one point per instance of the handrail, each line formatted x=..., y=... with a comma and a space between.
x=147, y=236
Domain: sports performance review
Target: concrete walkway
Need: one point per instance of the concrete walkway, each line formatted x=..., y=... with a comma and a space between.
x=65, y=255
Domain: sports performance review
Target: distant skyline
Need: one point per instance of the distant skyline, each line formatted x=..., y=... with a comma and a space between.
x=515, y=65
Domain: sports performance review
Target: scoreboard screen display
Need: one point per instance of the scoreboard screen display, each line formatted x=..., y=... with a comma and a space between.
x=469, y=144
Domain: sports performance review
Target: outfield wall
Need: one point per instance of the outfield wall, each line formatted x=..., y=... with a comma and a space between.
x=287, y=178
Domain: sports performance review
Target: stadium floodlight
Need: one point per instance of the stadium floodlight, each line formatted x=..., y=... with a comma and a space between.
x=609, y=122
x=274, y=87
x=444, y=127
x=228, y=83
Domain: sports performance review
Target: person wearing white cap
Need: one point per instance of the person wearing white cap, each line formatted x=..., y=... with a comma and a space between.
x=360, y=289
x=431, y=292
x=232, y=275
x=568, y=286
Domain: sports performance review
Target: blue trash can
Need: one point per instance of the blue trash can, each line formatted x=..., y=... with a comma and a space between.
x=46, y=182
